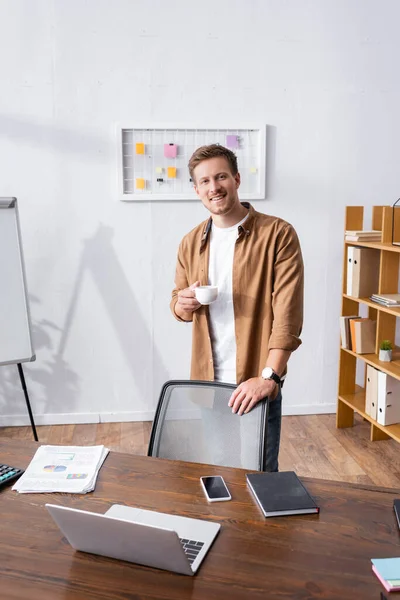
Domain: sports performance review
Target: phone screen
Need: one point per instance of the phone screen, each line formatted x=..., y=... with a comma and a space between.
x=215, y=487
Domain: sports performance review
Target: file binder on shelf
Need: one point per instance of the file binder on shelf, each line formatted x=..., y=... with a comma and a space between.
x=388, y=408
x=371, y=392
x=362, y=271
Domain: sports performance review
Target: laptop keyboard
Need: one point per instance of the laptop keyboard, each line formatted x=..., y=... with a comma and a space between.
x=191, y=548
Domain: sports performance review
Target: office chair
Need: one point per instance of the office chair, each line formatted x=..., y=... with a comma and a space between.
x=194, y=423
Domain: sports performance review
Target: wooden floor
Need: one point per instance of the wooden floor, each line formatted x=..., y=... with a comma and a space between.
x=310, y=445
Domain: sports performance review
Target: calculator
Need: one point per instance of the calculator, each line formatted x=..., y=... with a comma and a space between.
x=8, y=474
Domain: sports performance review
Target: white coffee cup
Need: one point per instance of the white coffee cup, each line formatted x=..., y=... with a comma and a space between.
x=206, y=294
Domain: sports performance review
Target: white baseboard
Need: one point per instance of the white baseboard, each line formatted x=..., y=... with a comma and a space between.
x=307, y=409
x=119, y=417
x=76, y=418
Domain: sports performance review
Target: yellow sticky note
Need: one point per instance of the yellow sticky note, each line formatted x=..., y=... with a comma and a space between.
x=140, y=183
x=140, y=148
x=159, y=169
x=171, y=172
x=253, y=170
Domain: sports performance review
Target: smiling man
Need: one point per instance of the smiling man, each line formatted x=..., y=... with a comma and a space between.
x=248, y=334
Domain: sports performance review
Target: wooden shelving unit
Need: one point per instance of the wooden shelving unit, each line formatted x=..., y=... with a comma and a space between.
x=351, y=397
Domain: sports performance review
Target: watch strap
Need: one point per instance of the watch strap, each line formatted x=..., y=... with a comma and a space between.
x=275, y=377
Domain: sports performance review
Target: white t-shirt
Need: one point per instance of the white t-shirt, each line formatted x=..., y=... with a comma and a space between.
x=222, y=318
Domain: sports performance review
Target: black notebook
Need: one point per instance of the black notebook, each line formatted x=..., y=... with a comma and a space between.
x=281, y=494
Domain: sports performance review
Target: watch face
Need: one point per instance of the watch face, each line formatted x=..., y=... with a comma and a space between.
x=267, y=372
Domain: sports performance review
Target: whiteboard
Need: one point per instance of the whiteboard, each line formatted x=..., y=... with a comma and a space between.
x=15, y=323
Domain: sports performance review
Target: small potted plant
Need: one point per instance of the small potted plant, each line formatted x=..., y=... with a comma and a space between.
x=385, y=351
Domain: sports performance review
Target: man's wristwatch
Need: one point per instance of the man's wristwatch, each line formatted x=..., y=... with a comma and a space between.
x=269, y=373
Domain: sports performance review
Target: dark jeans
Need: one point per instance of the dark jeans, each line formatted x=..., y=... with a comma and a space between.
x=273, y=434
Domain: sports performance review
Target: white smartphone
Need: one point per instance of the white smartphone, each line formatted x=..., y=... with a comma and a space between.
x=215, y=488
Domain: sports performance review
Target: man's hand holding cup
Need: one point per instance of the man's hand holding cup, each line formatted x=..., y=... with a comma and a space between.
x=187, y=300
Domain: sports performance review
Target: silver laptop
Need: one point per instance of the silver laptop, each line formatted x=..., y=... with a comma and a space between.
x=140, y=536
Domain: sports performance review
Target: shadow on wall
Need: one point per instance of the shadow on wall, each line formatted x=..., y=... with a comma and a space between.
x=100, y=260
x=53, y=375
x=47, y=133
x=60, y=383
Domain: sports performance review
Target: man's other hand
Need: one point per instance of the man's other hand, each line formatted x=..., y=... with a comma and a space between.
x=250, y=392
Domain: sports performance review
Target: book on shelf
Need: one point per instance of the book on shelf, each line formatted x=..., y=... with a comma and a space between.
x=280, y=494
x=345, y=330
x=386, y=299
x=387, y=571
x=362, y=271
x=363, y=335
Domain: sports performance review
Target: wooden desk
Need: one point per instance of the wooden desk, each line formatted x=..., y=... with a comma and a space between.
x=298, y=557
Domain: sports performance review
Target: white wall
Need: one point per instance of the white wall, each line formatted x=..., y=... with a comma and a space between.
x=321, y=73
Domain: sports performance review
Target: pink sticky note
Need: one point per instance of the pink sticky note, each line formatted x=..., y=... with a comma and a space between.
x=170, y=150
x=232, y=141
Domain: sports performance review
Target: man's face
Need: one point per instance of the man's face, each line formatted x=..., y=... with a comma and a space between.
x=216, y=186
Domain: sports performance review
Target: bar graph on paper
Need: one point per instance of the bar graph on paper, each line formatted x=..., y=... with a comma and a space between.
x=153, y=161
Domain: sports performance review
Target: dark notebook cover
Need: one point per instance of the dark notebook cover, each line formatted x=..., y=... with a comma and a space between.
x=281, y=494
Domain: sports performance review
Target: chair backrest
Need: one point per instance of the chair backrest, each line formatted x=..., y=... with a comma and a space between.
x=193, y=422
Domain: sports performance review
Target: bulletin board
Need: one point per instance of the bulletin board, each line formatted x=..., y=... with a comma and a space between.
x=153, y=161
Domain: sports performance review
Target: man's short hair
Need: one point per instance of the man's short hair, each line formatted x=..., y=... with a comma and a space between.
x=212, y=151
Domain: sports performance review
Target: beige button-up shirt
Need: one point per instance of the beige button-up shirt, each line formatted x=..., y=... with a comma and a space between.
x=267, y=282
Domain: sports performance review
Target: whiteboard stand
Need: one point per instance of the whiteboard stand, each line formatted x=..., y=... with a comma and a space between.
x=28, y=404
x=15, y=323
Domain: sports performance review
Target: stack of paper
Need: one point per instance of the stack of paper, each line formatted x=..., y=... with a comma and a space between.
x=386, y=299
x=362, y=235
x=71, y=469
x=387, y=571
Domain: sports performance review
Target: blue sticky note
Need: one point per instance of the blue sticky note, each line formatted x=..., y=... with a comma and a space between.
x=389, y=568
x=232, y=141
